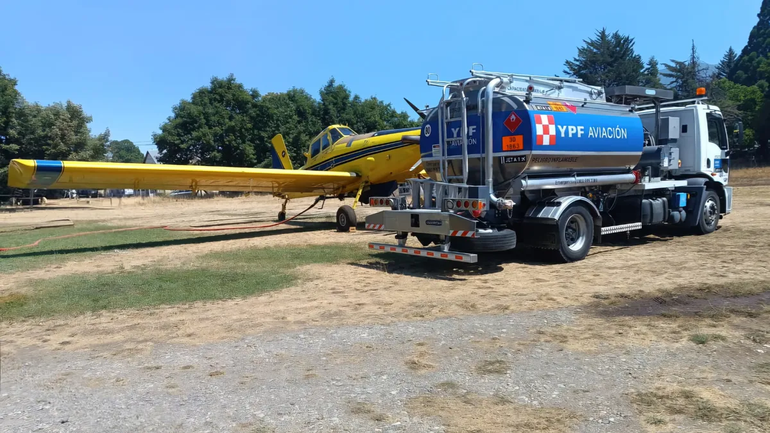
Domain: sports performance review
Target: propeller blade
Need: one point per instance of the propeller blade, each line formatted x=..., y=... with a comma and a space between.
x=414, y=107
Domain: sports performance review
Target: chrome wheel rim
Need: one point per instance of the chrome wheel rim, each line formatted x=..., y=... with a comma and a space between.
x=342, y=219
x=710, y=212
x=575, y=232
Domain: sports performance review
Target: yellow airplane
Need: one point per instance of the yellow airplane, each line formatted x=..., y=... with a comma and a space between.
x=339, y=163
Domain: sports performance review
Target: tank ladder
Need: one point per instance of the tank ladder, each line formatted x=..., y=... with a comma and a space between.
x=453, y=103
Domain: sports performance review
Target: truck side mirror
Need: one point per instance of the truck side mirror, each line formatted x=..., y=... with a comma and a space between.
x=739, y=130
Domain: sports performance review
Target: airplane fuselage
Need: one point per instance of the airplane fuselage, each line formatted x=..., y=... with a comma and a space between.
x=378, y=158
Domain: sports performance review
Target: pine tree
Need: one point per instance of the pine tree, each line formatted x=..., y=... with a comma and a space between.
x=686, y=76
x=727, y=64
x=753, y=68
x=651, y=74
x=752, y=65
x=607, y=60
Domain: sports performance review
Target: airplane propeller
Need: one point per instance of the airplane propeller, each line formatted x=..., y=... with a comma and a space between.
x=417, y=110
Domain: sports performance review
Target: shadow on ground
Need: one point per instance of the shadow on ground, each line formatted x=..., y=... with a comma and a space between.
x=488, y=263
x=295, y=227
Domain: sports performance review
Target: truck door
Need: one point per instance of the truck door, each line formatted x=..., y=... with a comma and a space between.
x=715, y=155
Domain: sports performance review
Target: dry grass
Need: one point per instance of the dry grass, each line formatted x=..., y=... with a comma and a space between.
x=705, y=338
x=495, y=366
x=762, y=373
x=750, y=176
x=474, y=413
x=706, y=405
x=729, y=311
x=367, y=410
x=419, y=362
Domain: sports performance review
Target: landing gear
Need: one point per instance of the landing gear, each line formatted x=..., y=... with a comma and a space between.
x=346, y=218
x=346, y=215
x=282, y=213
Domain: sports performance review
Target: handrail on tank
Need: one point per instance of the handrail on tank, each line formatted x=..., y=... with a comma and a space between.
x=489, y=74
x=500, y=203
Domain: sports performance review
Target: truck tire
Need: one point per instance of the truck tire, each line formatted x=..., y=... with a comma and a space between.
x=346, y=218
x=485, y=242
x=574, y=235
x=709, y=218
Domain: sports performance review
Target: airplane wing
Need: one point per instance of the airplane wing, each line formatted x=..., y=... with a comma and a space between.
x=27, y=173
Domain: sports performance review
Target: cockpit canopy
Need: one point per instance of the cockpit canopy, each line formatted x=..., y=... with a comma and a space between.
x=328, y=137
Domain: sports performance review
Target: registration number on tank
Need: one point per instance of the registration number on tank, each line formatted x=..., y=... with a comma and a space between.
x=513, y=159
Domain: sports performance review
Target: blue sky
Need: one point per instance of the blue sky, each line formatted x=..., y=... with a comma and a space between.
x=129, y=62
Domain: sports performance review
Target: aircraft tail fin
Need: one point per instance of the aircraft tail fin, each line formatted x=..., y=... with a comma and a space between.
x=280, y=154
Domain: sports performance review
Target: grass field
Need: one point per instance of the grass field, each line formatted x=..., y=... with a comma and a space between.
x=52, y=252
x=750, y=176
x=214, y=276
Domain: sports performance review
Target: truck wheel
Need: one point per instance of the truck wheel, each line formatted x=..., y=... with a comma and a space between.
x=710, y=216
x=485, y=242
x=575, y=234
x=346, y=218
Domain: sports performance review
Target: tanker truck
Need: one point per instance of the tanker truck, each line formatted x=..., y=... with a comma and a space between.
x=553, y=163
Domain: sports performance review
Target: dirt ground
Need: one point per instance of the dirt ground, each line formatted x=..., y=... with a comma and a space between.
x=397, y=291
x=402, y=289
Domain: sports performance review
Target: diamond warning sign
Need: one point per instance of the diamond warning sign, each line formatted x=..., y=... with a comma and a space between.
x=512, y=122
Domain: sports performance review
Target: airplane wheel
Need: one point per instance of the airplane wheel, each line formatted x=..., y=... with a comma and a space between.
x=281, y=216
x=346, y=218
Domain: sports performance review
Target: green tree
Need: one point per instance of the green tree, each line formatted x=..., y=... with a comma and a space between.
x=337, y=104
x=9, y=100
x=752, y=64
x=124, y=151
x=651, y=75
x=217, y=126
x=753, y=68
x=607, y=60
x=226, y=124
x=58, y=131
x=686, y=76
x=374, y=115
x=738, y=102
x=294, y=114
x=727, y=64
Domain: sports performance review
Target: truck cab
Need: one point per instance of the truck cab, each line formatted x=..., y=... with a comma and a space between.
x=697, y=131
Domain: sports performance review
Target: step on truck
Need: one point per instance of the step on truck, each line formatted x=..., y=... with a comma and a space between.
x=554, y=163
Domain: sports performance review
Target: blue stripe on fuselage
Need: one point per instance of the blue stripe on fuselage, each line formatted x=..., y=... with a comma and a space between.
x=47, y=172
x=326, y=165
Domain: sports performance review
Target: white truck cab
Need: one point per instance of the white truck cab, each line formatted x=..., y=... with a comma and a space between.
x=702, y=140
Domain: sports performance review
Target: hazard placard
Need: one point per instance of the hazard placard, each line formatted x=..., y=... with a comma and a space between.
x=512, y=122
x=513, y=142
x=558, y=106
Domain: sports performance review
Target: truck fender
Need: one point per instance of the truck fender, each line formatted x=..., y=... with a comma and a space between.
x=711, y=186
x=549, y=210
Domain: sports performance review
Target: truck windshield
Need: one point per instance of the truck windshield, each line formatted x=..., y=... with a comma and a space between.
x=717, y=131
